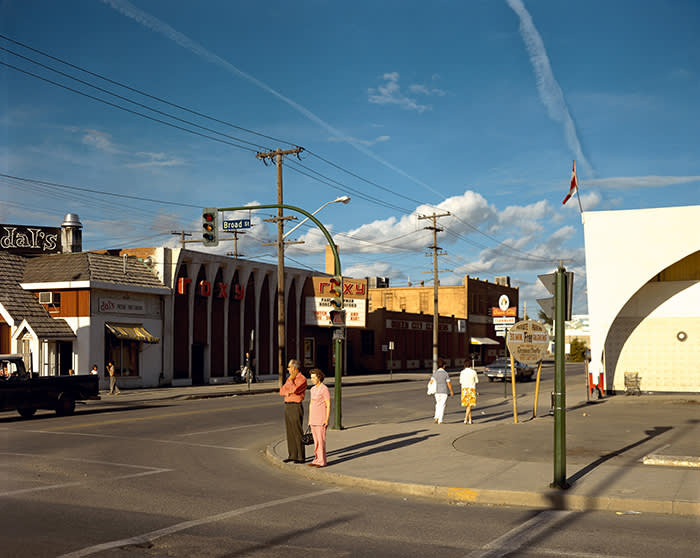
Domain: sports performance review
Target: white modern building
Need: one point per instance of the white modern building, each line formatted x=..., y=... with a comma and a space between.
x=643, y=279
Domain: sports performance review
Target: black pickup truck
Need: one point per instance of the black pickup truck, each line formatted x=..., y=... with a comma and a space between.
x=26, y=392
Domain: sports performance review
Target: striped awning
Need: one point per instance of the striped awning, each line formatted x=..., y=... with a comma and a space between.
x=131, y=333
x=483, y=341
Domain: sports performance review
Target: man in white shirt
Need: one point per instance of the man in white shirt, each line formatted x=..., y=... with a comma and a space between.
x=442, y=380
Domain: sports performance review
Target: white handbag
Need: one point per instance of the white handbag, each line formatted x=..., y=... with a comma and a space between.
x=432, y=386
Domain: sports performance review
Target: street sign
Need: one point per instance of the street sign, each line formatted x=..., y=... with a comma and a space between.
x=528, y=341
x=548, y=305
x=235, y=224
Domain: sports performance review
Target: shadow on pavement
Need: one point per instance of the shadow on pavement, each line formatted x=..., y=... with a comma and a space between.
x=651, y=434
x=48, y=414
x=355, y=451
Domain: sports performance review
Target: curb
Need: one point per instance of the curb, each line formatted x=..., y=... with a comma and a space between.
x=672, y=460
x=547, y=499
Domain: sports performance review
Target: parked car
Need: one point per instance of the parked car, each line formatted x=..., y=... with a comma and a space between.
x=500, y=369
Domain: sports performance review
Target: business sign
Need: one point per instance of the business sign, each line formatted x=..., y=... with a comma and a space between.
x=28, y=240
x=503, y=321
x=112, y=305
x=511, y=311
x=317, y=308
x=235, y=224
x=528, y=341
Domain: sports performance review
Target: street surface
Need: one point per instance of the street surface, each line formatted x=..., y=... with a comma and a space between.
x=189, y=478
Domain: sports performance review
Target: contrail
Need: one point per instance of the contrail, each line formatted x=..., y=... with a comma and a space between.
x=547, y=87
x=127, y=9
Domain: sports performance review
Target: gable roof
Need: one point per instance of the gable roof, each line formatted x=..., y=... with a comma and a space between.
x=100, y=270
x=23, y=305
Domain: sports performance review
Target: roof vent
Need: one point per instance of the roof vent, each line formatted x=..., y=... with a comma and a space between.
x=71, y=220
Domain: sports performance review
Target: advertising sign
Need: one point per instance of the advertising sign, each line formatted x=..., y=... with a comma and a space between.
x=28, y=240
x=528, y=341
x=317, y=308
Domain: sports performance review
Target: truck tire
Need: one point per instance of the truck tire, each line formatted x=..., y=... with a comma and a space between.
x=26, y=412
x=65, y=405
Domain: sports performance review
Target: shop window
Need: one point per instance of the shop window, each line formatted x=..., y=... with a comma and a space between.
x=124, y=354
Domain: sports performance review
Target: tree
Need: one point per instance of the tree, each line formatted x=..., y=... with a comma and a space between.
x=544, y=318
x=577, y=350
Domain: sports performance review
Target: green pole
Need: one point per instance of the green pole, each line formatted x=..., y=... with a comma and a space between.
x=559, y=382
x=338, y=343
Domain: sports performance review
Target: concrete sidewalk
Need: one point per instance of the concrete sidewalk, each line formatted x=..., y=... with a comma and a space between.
x=628, y=454
x=623, y=454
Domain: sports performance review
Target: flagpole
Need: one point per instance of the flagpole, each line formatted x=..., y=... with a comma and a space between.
x=578, y=196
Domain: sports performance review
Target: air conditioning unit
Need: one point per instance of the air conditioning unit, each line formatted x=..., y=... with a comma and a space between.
x=46, y=298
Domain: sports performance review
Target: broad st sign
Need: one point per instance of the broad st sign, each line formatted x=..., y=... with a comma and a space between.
x=29, y=240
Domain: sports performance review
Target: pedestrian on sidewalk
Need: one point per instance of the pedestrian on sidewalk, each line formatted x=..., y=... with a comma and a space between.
x=113, y=388
x=443, y=387
x=319, y=415
x=293, y=392
x=467, y=381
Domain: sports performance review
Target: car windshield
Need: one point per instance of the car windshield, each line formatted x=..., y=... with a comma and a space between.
x=498, y=362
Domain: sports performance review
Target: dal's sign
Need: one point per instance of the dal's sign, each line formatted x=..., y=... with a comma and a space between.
x=28, y=240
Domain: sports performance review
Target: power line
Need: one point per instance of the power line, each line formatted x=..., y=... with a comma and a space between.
x=124, y=108
x=140, y=92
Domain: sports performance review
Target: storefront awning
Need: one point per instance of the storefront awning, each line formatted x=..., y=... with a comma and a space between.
x=132, y=333
x=484, y=341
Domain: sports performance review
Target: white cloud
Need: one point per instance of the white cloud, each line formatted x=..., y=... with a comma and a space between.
x=625, y=182
x=550, y=93
x=155, y=160
x=101, y=141
x=350, y=139
x=526, y=218
x=390, y=94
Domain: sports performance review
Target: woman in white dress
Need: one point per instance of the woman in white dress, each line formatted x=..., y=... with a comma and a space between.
x=468, y=380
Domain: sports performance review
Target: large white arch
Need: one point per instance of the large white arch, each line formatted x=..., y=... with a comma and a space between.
x=625, y=250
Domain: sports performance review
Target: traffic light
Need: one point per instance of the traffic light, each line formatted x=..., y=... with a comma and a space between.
x=336, y=313
x=210, y=226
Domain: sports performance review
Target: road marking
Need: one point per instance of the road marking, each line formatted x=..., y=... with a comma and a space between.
x=147, y=471
x=228, y=428
x=515, y=538
x=134, y=439
x=153, y=535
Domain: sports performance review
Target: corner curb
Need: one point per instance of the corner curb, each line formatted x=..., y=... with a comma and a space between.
x=672, y=460
x=546, y=499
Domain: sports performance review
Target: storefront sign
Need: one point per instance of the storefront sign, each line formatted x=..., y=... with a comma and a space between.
x=121, y=306
x=20, y=239
x=205, y=288
x=317, y=311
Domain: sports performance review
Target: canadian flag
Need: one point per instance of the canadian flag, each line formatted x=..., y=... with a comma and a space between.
x=574, y=185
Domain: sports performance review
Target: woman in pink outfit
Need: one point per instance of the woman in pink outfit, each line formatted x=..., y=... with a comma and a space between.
x=319, y=413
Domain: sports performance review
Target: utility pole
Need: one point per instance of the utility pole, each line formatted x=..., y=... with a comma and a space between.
x=435, y=249
x=182, y=234
x=235, y=253
x=281, y=330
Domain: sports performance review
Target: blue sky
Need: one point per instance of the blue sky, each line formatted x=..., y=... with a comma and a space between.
x=476, y=108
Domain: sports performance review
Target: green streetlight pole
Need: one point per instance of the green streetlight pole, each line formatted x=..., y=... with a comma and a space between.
x=559, y=381
x=338, y=343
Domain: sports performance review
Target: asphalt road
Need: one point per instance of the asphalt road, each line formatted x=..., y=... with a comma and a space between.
x=189, y=478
